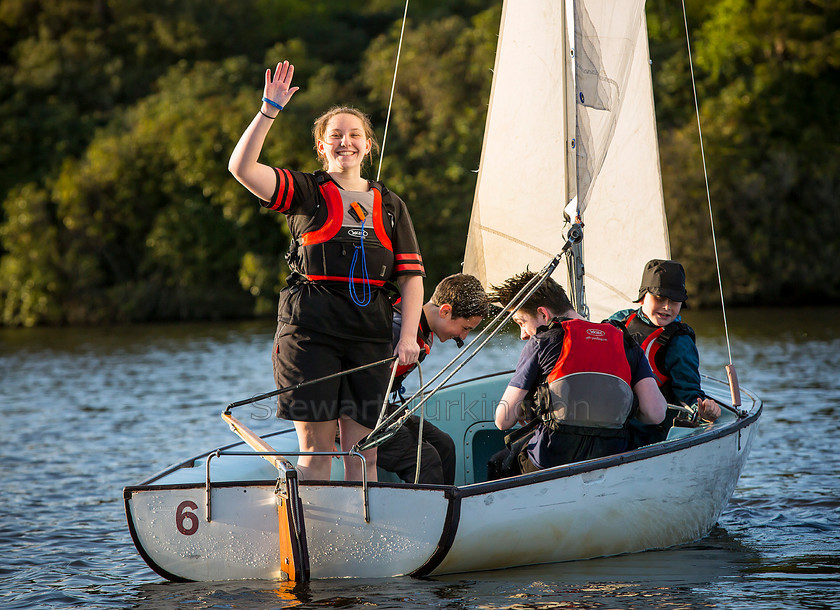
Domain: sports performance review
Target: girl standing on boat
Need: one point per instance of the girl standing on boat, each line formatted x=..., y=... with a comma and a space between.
x=349, y=237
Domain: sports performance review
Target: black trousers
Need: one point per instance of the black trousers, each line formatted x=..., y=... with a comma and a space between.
x=437, y=459
x=509, y=461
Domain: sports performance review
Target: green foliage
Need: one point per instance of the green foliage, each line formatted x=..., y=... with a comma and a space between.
x=28, y=275
x=117, y=119
x=767, y=74
x=435, y=132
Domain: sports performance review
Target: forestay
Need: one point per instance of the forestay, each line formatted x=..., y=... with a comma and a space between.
x=587, y=107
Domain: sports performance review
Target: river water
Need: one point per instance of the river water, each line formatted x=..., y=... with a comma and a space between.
x=88, y=411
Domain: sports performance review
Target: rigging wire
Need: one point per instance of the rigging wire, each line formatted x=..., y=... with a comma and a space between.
x=388, y=426
x=393, y=86
x=706, y=178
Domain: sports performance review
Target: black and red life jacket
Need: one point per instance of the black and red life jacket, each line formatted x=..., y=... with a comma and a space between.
x=425, y=338
x=326, y=253
x=654, y=342
x=590, y=384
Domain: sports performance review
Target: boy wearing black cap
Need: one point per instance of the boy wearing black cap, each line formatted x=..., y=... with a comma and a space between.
x=668, y=344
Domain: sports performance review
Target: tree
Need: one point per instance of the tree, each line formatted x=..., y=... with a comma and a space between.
x=437, y=125
x=767, y=72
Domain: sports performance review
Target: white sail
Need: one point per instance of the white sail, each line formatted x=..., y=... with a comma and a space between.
x=587, y=106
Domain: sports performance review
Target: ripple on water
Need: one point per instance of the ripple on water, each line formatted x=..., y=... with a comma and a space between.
x=92, y=411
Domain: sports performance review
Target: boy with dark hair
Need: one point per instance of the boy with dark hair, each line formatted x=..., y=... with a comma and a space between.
x=456, y=307
x=668, y=344
x=584, y=378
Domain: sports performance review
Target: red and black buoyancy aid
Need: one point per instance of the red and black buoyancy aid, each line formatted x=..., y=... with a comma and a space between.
x=425, y=338
x=654, y=342
x=325, y=253
x=589, y=386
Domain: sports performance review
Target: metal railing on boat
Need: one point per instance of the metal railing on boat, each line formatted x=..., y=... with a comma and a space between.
x=284, y=467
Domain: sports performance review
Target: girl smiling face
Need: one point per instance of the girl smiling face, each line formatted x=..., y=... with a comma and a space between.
x=343, y=137
x=345, y=143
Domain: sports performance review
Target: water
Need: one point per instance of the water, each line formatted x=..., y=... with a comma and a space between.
x=88, y=411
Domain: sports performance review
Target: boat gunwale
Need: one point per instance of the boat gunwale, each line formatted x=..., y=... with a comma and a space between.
x=130, y=489
x=472, y=489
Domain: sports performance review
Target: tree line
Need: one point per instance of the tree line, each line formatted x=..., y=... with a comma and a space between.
x=118, y=118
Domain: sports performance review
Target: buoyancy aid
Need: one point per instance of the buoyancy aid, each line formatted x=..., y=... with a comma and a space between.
x=654, y=342
x=425, y=338
x=588, y=389
x=325, y=253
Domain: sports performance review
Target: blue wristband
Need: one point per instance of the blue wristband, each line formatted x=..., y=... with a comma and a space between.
x=272, y=103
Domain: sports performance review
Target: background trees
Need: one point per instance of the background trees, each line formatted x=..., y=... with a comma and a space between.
x=117, y=118
x=768, y=82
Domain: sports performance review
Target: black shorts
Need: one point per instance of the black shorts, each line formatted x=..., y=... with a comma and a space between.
x=301, y=355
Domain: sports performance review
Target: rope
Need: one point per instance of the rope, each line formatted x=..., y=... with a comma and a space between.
x=706, y=178
x=388, y=426
x=383, y=411
x=391, y=100
x=420, y=430
x=367, y=293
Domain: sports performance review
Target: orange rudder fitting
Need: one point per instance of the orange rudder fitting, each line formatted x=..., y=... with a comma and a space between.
x=294, y=553
x=734, y=388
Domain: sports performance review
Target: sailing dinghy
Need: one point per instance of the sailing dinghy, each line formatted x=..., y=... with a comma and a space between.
x=570, y=135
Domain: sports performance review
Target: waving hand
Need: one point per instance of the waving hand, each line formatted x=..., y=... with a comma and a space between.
x=279, y=88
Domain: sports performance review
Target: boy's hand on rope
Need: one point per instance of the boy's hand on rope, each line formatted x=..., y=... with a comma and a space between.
x=708, y=409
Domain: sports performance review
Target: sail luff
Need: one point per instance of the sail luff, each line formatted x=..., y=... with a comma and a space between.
x=525, y=112
x=572, y=212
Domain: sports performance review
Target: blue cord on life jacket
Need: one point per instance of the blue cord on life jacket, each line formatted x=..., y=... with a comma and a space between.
x=366, y=297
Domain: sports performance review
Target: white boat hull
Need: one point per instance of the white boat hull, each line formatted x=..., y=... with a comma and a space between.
x=651, y=503
x=656, y=497
x=241, y=541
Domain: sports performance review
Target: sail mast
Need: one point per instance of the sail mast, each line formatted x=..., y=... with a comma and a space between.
x=572, y=212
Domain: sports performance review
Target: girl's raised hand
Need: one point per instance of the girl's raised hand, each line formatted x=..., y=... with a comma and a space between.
x=279, y=88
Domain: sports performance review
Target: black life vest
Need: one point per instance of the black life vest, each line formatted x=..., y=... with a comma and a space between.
x=326, y=253
x=654, y=342
x=588, y=390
